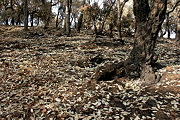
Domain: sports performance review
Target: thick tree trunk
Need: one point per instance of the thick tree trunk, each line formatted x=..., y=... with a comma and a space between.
x=149, y=18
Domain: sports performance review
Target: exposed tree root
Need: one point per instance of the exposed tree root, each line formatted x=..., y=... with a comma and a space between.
x=112, y=71
x=109, y=71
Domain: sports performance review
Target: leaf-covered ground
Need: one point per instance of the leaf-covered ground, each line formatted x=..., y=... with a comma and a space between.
x=45, y=75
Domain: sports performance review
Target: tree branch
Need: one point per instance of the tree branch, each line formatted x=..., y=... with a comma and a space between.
x=177, y=4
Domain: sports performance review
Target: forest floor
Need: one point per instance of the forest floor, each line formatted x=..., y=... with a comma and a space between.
x=45, y=75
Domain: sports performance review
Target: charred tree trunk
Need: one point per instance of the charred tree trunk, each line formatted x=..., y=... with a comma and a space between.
x=12, y=21
x=7, y=21
x=104, y=18
x=162, y=33
x=25, y=15
x=95, y=27
x=32, y=18
x=48, y=17
x=79, y=25
x=80, y=19
x=12, y=17
x=120, y=12
x=149, y=18
x=178, y=29
x=168, y=27
x=67, y=22
x=177, y=20
x=57, y=17
x=178, y=23
x=18, y=22
x=38, y=20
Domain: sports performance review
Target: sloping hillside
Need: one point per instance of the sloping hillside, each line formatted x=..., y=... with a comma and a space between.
x=45, y=75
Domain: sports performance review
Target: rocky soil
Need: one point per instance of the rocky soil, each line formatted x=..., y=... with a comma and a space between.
x=45, y=75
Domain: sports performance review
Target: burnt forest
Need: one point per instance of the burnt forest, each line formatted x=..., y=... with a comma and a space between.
x=89, y=60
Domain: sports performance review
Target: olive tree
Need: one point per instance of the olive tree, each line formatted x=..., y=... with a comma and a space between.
x=149, y=16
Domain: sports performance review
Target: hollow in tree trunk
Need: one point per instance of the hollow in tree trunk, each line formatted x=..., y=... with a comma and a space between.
x=149, y=16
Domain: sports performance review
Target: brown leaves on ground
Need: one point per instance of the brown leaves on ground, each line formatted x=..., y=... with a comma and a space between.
x=45, y=75
x=170, y=80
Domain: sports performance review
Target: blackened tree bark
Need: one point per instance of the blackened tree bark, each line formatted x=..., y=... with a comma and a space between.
x=105, y=16
x=12, y=21
x=80, y=19
x=149, y=16
x=178, y=28
x=167, y=18
x=168, y=26
x=12, y=17
x=5, y=4
x=48, y=13
x=177, y=9
x=32, y=17
x=7, y=21
x=67, y=20
x=25, y=15
x=120, y=12
x=57, y=17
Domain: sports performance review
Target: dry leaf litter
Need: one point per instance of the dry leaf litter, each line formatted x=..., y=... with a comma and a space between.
x=46, y=76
